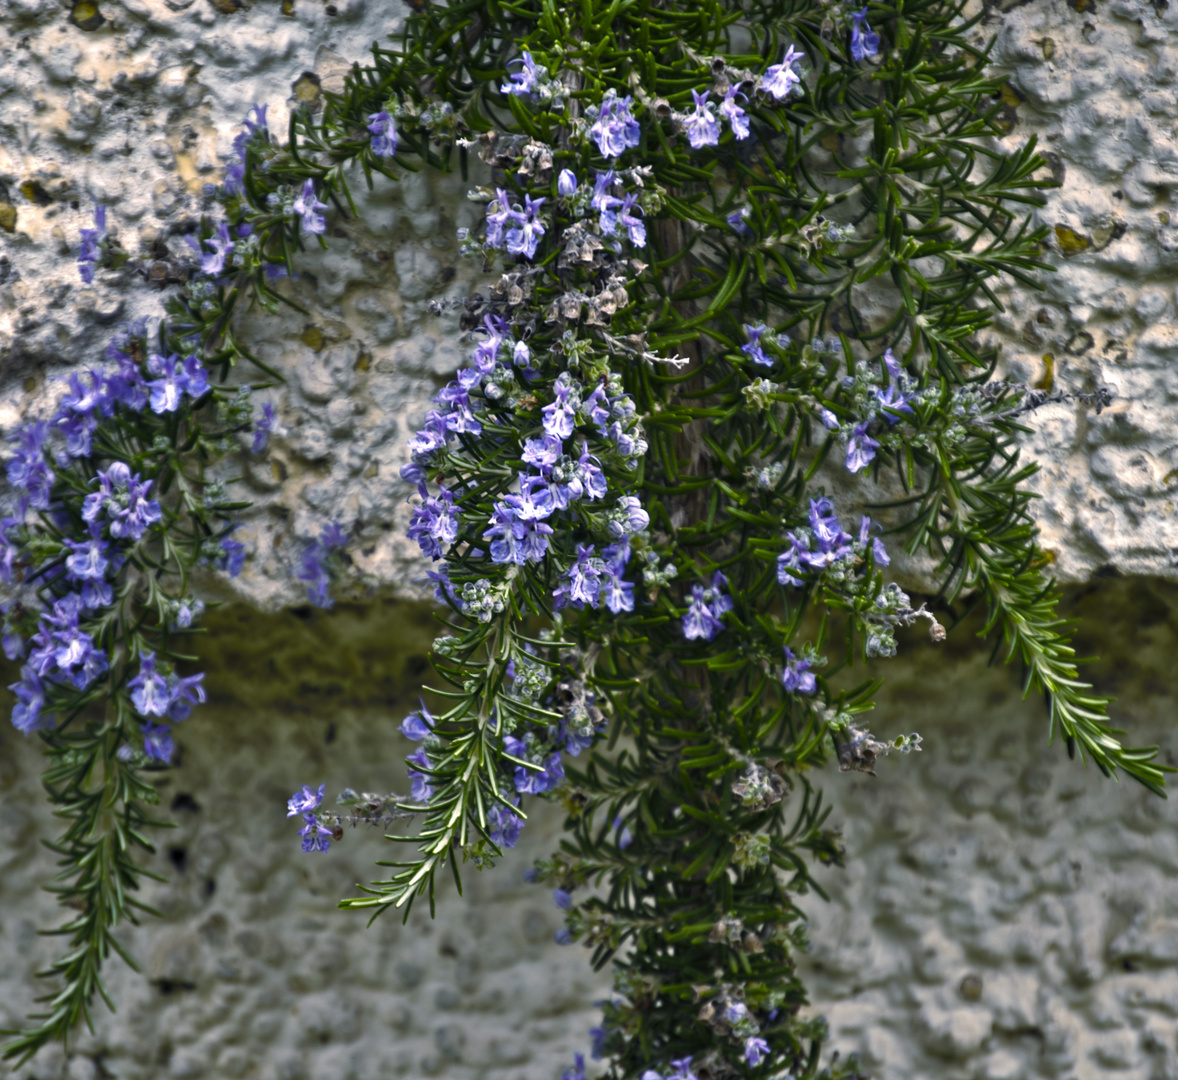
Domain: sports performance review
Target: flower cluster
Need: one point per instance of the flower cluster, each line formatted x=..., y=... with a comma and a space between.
x=823, y=547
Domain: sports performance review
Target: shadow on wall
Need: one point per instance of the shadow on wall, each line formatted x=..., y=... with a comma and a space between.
x=253, y=972
x=1004, y=912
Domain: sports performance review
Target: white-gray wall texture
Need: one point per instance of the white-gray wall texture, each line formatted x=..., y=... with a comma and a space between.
x=1004, y=912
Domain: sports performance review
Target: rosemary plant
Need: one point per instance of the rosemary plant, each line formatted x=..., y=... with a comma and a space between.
x=655, y=605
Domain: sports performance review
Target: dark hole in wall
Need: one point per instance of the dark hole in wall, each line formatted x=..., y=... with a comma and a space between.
x=210, y=886
x=185, y=802
x=178, y=856
x=167, y=987
x=330, y=733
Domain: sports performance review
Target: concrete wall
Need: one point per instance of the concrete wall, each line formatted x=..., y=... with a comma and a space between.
x=1004, y=912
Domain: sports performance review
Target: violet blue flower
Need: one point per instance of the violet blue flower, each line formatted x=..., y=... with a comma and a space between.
x=524, y=239
x=525, y=81
x=213, y=263
x=149, y=690
x=157, y=742
x=91, y=252
x=864, y=40
x=879, y=553
x=421, y=790
x=27, y=715
x=124, y=499
x=861, y=448
x=263, y=426
x=27, y=469
x=753, y=349
x=615, y=128
x=315, y=836
x=781, y=79
x=634, y=226
x=701, y=126
x=308, y=206
x=754, y=1049
x=797, y=677
x=418, y=725
x=384, y=134
x=736, y=116
x=434, y=524
x=304, y=801
x=566, y=183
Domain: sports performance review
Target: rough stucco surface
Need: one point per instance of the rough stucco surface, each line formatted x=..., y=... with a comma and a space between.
x=988, y=855
x=141, y=113
x=252, y=972
x=1006, y=914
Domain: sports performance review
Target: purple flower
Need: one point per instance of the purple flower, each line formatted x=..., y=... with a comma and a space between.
x=307, y=205
x=542, y=453
x=699, y=622
x=232, y=557
x=149, y=690
x=864, y=41
x=753, y=349
x=562, y=899
x=734, y=114
x=384, y=134
x=781, y=79
x=421, y=790
x=263, y=425
x=313, y=572
x=91, y=251
x=175, y=378
x=88, y=559
x=185, y=692
x=634, y=226
x=625, y=836
x=590, y=477
x=755, y=1049
x=701, y=126
x=213, y=263
x=498, y=220
x=601, y=200
x=28, y=471
x=615, y=128
x=829, y=420
x=524, y=239
x=737, y=219
x=561, y=415
x=682, y=1069
x=235, y=173
x=302, y=802
x=879, y=552
x=616, y=593
x=582, y=580
x=861, y=448
x=503, y=826
x=533, y=781
x=566, y=183
x=563, y=936
x=434, y=524
x=797, y=677
x=315, y=836
x=527, y=80
x=157, y=742
x=417, y=725
x=30, y=700
x=124, y=499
